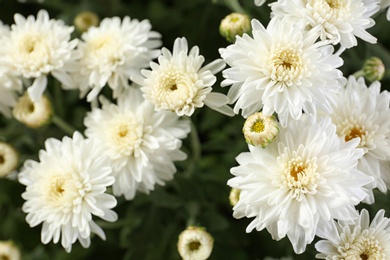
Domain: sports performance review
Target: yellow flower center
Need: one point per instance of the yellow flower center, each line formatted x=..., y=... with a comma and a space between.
x=258, y=126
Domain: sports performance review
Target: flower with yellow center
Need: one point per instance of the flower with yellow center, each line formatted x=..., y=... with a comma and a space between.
x=195, y=243
x=339, y=21
x=290, y=187
x=33, y=114
x=141, y=143
x=9, y=159
x=36, y=47
x=66, y=189
x=281, y=69
x=356, y=240
x=113, y=52
x=180, y=84
x=260, y=130
x=363, y=113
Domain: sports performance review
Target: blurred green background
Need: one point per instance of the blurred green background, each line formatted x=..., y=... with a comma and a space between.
x=148, y=226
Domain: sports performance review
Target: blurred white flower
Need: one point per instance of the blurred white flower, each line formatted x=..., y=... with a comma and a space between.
x=357, y=240
x=281, y=69
x=9, y=88
x=195, y=243
x=9, y=159
x=37, y=47
x=386, y=4
x=9, y=251
x=299, y=182
x=141, y=143
x=178, y=82
x=363, y=112
x=66, y=188
x=113, y=52
x=33, y=114
x=339, y=21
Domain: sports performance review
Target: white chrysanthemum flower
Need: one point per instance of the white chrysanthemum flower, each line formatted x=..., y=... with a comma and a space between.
x=9, y=88
x=33, y=114
x=9, y=159
x=195, y=243
x=66, y=188
x=141, y=143
x=299, y=182
x=281, y=69
x=180, y=84
x=358, y=240
x=9, y=84
x=9, y=251
x=36, y=47
x=234, y=24
x=364, y=113
x=113, y=52
x=339, y=21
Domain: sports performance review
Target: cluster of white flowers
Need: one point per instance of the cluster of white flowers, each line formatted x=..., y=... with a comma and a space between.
x=131, y=143
x=332, y=149
x=318, y=141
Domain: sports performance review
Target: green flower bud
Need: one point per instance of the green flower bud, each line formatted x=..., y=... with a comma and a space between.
x=234, y=24
x=84, y=20
x=373, y=69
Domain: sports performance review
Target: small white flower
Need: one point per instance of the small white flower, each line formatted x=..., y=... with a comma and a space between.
x=113, y=52
x=84, y=20
x=36, y=47
x=180, y=84
x=260, y=130
x=33, y=114
x=8, y=251
x=141, y=143
x=281, y=69
x=66, y=188
x=9, y=159
x=195, y=243
x=299, y=182
x=363, y=113
x=357, y=240
x=339, y=21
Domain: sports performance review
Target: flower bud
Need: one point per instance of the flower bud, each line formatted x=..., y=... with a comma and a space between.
x=9, y=251
x=234, y=196
x=9, y=159
x=195, y=243
x=234, y=24
x=32, y=114
x=260, y=130
x=373, y=69
x=84, y=20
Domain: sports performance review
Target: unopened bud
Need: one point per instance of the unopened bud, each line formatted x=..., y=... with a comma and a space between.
x=234, y=24
x=84, y=20
x=195, y=243
x=32, y=114
x=9, y=251
x=234, y=196
x=260, y=130
x=9, y=160
x=373, y=69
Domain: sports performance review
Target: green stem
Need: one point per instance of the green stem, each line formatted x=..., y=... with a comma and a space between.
x=196, y=150
x=64, y=126
x=358, y=74
x=235, y=6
